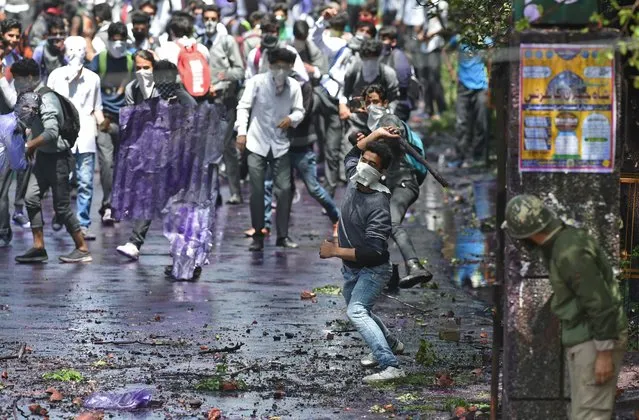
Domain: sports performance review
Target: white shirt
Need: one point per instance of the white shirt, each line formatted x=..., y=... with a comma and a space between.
x=84, y=93
x=435, y=25
x=263, y=65
x=267, y=110
x=171, y=50
x=412, y=14
x=339, y=58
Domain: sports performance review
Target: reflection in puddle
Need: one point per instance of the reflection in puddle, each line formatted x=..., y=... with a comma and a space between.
x=468, y=239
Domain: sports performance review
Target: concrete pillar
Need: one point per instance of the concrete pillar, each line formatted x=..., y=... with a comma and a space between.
x=535, y=381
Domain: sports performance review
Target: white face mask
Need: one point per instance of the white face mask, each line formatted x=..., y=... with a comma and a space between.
x=369, y=177
x=375, y=114
x=75, y=51
x=145, y=81
x=280, y=77
x=117, y=49
x=210, y=27
x=370, y=69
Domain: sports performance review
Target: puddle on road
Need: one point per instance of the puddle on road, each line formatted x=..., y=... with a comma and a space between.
x=464, y=218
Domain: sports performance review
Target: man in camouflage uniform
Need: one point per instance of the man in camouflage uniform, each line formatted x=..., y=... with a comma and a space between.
x=586, y=299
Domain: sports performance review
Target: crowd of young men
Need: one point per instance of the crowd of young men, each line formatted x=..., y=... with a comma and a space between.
x=301, y=84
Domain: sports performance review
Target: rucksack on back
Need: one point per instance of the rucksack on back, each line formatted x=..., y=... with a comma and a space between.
x=241, y=42
x=23, y=46
x=194, y=70
x=70, y=127
x=416, y=141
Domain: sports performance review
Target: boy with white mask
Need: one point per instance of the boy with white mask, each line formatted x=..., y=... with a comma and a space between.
x=368, y=70
x=143, y=86
x=227, y=72
x=275, y=103
x=82, y=87
x=115, y=68
x=364, y=229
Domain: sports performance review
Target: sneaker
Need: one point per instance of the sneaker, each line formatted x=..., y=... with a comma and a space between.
x=21, y=220
x=87, y=234
x=34, y=255
x=388, y=374
x=234, y=199
x=286, y=243
x=55, y=224
x=77, y=256
x=107, y=218
x=296, y=197
x=130, y=251
x=369, y=361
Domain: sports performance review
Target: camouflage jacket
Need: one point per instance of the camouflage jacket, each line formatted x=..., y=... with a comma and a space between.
x=586, y=296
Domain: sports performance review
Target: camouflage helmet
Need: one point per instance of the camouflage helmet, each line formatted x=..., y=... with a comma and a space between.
x=527, y=215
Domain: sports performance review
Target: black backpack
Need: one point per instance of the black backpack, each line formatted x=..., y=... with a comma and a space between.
x=70, y=127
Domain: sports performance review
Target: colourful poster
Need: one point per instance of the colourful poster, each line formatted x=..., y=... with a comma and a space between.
x=567, y=108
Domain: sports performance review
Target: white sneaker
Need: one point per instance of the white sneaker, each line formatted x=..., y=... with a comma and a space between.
x=129, y=250
x=388, y=374
x=107, y=218
x=369, y=361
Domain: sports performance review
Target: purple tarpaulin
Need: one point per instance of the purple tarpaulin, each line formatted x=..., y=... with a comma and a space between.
x=12, y=150
x=167, y=167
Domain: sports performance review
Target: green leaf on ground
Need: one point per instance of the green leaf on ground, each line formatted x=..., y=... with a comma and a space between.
x=404, y=398
x=426, y=354
x=210, y=384
x=100, y=363
x=329, y=289
x=65, y=375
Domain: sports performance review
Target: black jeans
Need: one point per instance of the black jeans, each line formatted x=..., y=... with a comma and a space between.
x=282, y=189
x=231, y=155
x=403, y=195
x=329, y=133
x=51, y=170
x=430, y=76
x=472, y=122
x=107, y=145
x=140, y=229
x=6, y=176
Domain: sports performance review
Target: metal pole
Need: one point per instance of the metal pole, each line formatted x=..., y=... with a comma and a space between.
x=500, y=95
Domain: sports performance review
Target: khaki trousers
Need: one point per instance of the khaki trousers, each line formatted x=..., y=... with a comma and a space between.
x=590, y=401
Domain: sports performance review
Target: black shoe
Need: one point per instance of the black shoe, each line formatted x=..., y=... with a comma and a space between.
x=286, y=243
x=55, y=224
x=34, y=255
x=77, y=256
x=416, y=273
x=393, y=283
x=234, y=199
x=168, y=271
x=257, y=244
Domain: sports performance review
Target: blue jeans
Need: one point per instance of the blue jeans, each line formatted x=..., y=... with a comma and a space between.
x=84, y=168
x=361, y=287
x=306, y=165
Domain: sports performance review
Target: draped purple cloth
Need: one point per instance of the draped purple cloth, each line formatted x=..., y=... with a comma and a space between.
x=12, y=152
x=167, y=167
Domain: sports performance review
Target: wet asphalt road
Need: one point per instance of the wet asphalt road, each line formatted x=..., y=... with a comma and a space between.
x=158, y=327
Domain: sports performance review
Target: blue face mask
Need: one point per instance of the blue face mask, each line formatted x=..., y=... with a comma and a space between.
x=199, y=22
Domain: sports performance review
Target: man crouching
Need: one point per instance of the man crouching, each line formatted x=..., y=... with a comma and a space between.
x=364, y=228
